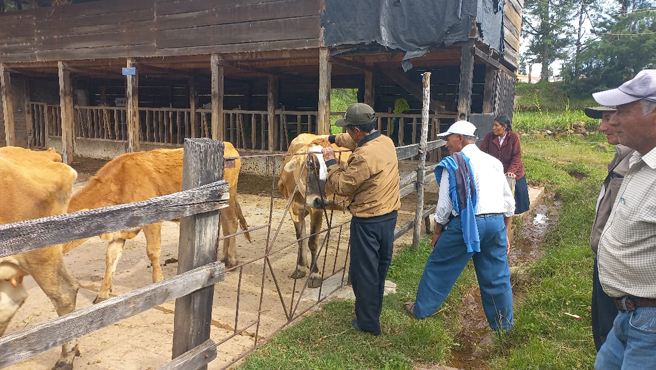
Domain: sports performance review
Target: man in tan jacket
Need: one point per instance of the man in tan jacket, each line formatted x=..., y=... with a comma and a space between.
x=371, y=180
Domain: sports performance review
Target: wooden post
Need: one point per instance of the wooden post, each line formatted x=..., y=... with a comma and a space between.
x=66, y=105
x=193, y=103
x=466, y=79
x=369, y=88
x=7, y=106
x=488, y=92
x=323, y=115
x=272, y=104
x=28, y=114
x=132, y=108
x=218, y=124
x=422, y=161
x=202, y=164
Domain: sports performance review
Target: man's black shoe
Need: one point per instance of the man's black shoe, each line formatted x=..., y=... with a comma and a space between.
x=354, y=324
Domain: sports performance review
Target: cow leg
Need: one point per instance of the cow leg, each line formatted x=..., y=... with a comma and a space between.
x=11, y=298
x=229, y=224
x=298, y=217
x=316, y=218
x=153, y=233
x=61, y=288
x=114, y=251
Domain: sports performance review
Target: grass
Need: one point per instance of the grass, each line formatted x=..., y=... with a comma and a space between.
x=549, y=96
x=572, y=168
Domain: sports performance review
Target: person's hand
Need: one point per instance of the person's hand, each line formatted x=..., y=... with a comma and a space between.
x=436, y=236
x=511, y=175
x=328, y=153
x=508, y=247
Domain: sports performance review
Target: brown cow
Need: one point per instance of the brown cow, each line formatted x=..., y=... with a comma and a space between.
x=311, y=197
x=35, y=185
x=139, y=176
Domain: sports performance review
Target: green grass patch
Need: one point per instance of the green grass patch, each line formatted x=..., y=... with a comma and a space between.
x=549, y=96
x=543, y=338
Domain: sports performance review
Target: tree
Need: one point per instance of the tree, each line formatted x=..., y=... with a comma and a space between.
x=547, y=25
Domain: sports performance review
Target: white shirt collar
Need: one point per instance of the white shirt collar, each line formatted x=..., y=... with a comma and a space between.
x=649, y=159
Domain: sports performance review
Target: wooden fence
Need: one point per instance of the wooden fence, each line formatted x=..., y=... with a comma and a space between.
x=204, y=193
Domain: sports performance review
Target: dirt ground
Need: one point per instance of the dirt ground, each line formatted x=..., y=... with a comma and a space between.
x=144, y=341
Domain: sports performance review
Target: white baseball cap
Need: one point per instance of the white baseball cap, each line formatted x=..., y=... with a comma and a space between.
x=642, y=86
x=461, y=127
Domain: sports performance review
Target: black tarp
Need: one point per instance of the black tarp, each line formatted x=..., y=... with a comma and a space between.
x=413, y=26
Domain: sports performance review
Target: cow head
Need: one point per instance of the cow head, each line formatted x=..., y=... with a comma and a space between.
x=311, y=172
x=12, y=292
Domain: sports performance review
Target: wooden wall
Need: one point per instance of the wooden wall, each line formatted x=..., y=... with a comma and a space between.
x=147, y=28
x=512, y=26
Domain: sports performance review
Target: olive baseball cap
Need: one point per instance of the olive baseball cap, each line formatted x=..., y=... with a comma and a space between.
x=598, y=112
x=356, y=115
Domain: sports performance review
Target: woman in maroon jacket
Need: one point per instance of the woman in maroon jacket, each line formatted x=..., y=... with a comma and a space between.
x=503, y=143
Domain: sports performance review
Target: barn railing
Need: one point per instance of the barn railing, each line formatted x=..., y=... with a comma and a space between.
x=100, y=122
x=198, y=207
x=46, y=122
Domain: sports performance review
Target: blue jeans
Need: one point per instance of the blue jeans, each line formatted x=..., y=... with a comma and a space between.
x=449, y=258
x=632, y=342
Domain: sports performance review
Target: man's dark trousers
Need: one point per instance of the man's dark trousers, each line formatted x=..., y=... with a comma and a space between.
x=372, y=244
x=604, y=310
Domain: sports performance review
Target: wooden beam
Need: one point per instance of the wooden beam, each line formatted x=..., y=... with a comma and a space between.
x=28, y=235
x=272, y=104
x=193, y=102
x=323, y=115
x=488, y=91
x=423, y=143
x=483, y=56
x=369, y=92
x=39, y=338
x=264, y=71
x=28, y=112
x=194, y=358
x=132, y=107
x=203, y=164
x=466, y=79
x=415, y=90
x=218, y=125
x=66, y=106
x=7, y=106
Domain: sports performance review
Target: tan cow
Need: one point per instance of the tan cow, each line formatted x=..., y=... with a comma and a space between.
x=134, y=177
x=311, y=197
x=35, y=185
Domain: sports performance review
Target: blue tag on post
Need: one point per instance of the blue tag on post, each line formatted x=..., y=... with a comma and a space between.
x=129, y=71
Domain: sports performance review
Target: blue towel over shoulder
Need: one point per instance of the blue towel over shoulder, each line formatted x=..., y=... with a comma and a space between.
x=462, y=191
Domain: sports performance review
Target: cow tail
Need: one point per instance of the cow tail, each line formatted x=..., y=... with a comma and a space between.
x=242, y=221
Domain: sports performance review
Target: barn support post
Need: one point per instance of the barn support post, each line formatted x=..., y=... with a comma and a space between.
x=218, y=124
x=66, y=105
x=193, y=104
x=323, y=115
x=132, y=107
x=272, y=104
x=202, y=164
x=488, y=91
x=466, y=79
x=423, y=142
x=7, y=106
x=28, y=114
x=369, y=88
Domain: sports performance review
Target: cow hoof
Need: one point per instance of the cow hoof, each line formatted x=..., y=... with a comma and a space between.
x=61, y=365
x=315, y=282
x=298, y=274
x=229, y=263
x=99, y=299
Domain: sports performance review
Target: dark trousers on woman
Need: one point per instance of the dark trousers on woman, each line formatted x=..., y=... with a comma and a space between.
x=372, y=244
x=604, y=310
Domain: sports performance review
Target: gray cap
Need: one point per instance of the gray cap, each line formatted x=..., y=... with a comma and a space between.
x=598, y=112
x=357, y=114
x=642, y=86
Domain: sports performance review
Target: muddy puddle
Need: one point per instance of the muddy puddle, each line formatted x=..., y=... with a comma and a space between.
x=475, y=336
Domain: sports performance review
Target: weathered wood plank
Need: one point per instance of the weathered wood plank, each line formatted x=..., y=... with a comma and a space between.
x=127, y=35
x=488, y=91
x=272, y=104
x=369, y=88
x=411, y=178
x=399, y=231
x=422, y=159
x=194, y=358
x=323, y=114
x=268, y=30
x=168, y=7
x=203, y=164
x=218, y=81
x=236, y=12
x=32, y=234
x=75, y=11
x=132, y=107
x=39, y=338
x=94, y=24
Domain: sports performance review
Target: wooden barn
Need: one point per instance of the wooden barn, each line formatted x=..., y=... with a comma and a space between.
x=100, y=78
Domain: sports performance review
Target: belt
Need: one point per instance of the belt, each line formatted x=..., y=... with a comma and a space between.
x=489, y=215
x=630, y=304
